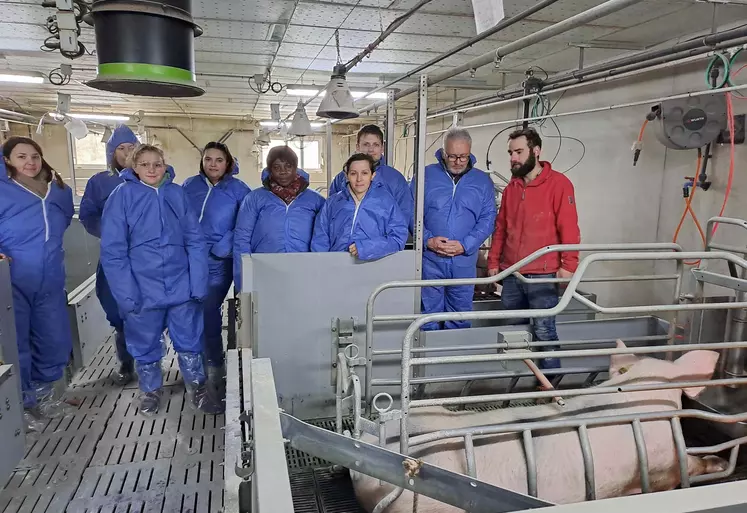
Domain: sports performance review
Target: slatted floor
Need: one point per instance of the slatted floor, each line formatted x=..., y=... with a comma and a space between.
x=102, y=456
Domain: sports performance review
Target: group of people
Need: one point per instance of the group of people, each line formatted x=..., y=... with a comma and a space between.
x=170, y=253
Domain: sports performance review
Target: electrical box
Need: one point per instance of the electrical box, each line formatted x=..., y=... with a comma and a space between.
x=63, y=103
x=275, y=111
x=689, y=123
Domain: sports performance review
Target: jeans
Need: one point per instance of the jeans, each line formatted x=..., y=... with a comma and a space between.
x=524, y=296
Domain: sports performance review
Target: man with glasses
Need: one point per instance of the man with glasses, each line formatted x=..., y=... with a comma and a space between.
x=459, y=214
x=538, y=209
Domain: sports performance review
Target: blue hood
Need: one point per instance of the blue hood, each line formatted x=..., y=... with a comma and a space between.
x=303, y=174
x=128, y=175
x=235, y=169
x=122, y=134
x=441, y=160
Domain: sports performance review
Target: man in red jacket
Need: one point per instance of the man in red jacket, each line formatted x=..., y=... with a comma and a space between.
x=538, y=209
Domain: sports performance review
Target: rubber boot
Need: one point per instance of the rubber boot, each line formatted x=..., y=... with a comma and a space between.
x=216, y=381
x=150, y=378
x=126, y=371
x=198, y=394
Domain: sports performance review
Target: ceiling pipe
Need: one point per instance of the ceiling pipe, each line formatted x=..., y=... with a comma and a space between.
x=593, y=14
x=626, y=64
x=479, y=37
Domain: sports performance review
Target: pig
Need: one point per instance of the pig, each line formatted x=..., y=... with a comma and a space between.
x=500, y=459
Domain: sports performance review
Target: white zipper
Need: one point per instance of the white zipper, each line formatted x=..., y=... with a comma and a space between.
x=204, y=203
x=453, y=183
x=44, y=205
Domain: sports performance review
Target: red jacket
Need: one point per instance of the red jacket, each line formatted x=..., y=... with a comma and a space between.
x=532, y=216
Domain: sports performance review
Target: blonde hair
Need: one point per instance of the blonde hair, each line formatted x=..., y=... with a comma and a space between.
x=144, y=148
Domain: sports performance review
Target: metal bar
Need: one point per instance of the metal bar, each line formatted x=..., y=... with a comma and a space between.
x=679, y=444
x=576, y=353
x=504, y=345
x=469, y=449
x=270, y=481
x=531, y=462
x=571, y=423
x=328, y=159
x=412, y=317
x=693, y=47
x=71, y=160
x=583, y=438
x=583, y=18
x=720, y=280
x=640, y=447
x=380, y=382
x=602, y=279
x=503, y=24
x=600, y=390
x=724, y=247
x=391, y=118
x=442, y=485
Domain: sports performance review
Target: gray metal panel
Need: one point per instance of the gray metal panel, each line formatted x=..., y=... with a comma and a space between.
x=270, y=482
x=297, y=296
x=81, y=254
x=233, y=442
x=88, y=323
x=8, y=344
x=11, y=423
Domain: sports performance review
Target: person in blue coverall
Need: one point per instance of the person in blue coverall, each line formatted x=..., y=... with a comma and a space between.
x=279, y=216
x=99, y=187
x=215, y=195
x=362, y=219
x=371, y=142
x=458, y=216
x=154, y=255
x=36, y=207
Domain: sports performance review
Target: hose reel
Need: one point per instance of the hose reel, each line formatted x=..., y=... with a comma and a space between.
x=692, y=122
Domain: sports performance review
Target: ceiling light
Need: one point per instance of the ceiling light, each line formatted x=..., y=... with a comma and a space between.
x=100, y=117
x=338, y=104
x=300, y=126
x=270, y=124
x=21, y=79
x=263, y=138
x=318, y=125
x=299, y=91
x=375, y=96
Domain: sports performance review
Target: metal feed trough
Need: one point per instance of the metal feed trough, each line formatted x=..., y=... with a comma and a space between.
x=354, y=393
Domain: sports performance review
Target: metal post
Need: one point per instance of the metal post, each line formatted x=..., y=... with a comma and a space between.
x=390, y=119
x=419, y=178
x=71, y=160
x=301, y=148
x=328, y=156
x=581, y=57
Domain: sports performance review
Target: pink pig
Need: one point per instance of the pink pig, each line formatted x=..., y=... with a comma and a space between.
x=500, y=459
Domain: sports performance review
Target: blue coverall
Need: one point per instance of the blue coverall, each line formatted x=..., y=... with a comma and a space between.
x=154, y=254
x=376, y=224
x=98, y=189
x=216, y=207
x=267, y=225
x=464, y=211
x=31, y=234
x=392, y=179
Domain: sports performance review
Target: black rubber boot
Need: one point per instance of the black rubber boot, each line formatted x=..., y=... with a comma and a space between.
x=124, y=375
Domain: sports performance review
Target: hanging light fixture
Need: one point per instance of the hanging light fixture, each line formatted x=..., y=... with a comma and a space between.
x=300, y=126
x=262, y=139
x=338, y=101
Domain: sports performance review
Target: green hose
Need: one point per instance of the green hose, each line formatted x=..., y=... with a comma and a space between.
x=719, y=57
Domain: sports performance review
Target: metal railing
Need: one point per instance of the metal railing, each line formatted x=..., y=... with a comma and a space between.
x=512, y=270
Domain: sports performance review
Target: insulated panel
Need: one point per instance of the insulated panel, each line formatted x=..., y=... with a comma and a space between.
x=243, y=10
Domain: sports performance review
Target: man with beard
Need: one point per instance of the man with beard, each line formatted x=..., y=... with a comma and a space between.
x=458, y=215
x=538, y=209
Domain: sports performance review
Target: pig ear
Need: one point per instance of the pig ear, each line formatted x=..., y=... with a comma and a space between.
x=620, y=362
x=697, y=366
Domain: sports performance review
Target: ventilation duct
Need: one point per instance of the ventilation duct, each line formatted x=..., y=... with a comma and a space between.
x=145, y=48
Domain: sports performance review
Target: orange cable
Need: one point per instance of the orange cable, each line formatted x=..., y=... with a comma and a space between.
x=688, y=209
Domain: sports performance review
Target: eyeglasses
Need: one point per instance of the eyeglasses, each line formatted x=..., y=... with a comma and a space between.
x=458, y=158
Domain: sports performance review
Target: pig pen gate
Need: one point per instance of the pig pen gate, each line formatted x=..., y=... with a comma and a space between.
x=260, y=427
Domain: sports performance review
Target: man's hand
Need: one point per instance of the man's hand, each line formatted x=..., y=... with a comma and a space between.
x=353, y=250
x=5, y=257
x=453, y=248
x=493, y=272
x=563, y=274
x=438, y=245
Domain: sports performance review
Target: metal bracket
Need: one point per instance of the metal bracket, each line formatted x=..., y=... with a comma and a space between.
x=510, y=341
x=720, y=280
x=449, y=487
x=343, y=335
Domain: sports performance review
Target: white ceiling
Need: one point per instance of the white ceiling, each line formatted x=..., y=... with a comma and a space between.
x=243, y=37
